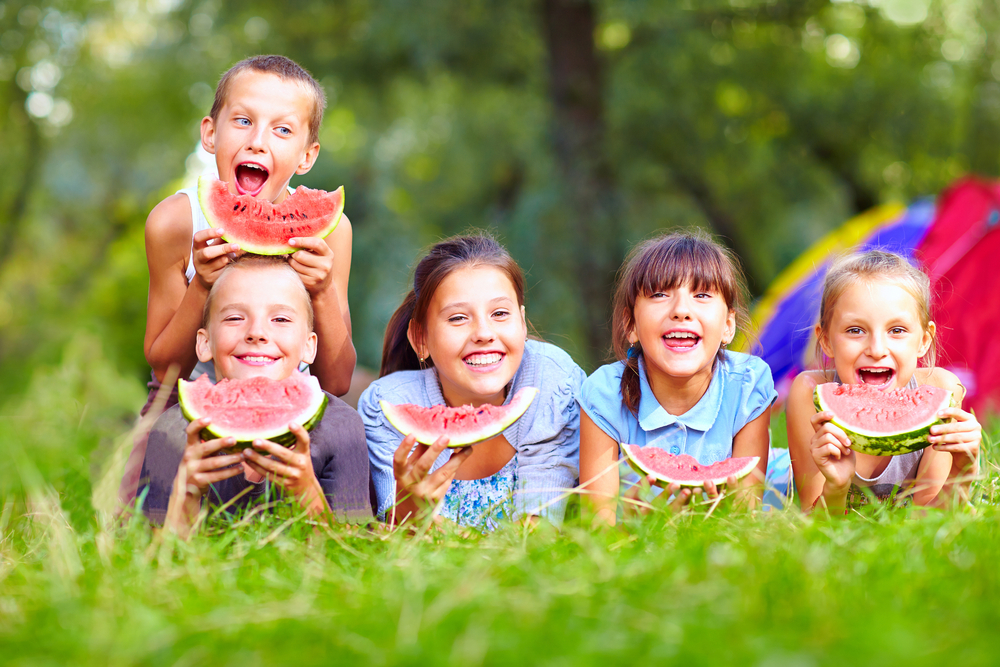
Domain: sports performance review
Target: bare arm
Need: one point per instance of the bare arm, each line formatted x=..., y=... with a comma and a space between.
x=325, y=267
x=174, y=307
x=598, y=469
x=753, y=440
x=823, y=462
x=951, y=463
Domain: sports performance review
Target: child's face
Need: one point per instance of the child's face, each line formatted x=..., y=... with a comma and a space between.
x=681, y=330
x=258, y=325
x=261, y=137
x=475, y=333
x=875, y=335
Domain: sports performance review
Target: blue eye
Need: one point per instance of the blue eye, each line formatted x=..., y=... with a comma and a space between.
x=285, y=131
x=245, y=122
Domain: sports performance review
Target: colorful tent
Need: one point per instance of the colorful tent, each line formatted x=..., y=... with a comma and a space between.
x=953, y=240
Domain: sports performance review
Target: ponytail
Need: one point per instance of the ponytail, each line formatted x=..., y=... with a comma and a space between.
x=397, y=353
x=630, y=387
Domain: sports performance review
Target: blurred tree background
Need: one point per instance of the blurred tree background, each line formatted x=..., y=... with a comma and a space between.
x=571, y=129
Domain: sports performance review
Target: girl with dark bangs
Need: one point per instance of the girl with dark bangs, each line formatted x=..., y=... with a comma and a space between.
x=674, y=385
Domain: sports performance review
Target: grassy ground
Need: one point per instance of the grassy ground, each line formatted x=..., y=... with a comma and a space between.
x=769, y=589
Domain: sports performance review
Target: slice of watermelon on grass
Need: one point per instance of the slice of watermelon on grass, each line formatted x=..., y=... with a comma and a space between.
x=683, y=469
x=883, y=423
x=464, y=425
x=263, y=228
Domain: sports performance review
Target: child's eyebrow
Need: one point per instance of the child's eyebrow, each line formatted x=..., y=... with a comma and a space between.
x=467, y=304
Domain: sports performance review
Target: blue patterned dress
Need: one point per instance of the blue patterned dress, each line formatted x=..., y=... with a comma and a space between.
x=482, y=503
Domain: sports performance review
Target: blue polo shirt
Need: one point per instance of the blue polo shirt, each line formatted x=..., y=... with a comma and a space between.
x=740, y=390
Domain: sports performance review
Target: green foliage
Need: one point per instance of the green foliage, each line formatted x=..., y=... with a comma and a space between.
x=768, y=122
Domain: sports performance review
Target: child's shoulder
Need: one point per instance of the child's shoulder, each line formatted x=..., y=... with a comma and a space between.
x=603, y=387
x=398, y=387
x=804, y=385
x=551, y=357
x=941, y=377
x=170, y=221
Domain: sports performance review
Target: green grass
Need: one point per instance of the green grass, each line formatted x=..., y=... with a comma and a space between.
x=767, y=589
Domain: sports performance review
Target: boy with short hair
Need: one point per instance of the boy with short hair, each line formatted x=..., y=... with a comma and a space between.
x=257, y=322
x=263, y=129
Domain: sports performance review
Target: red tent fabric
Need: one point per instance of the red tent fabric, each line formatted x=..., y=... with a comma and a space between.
x=961, y=254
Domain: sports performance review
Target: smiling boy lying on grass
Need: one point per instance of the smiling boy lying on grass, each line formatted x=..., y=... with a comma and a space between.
x=258, y=321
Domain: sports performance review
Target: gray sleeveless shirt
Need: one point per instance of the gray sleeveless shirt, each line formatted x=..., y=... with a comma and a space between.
x=897, y=477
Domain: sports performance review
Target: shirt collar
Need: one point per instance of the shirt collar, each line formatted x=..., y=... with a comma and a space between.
x=699, y=418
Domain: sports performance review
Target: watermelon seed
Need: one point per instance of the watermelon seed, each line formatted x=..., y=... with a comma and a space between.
x=244, y=208
x=305, y=217
x=237, y=206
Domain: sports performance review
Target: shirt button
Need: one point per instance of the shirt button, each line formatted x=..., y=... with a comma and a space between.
x=675, y=449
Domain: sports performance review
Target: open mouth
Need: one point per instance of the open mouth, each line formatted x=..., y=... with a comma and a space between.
x=483, y=360
x=250, y=178
x=681, y=340
x=876, y=377
x=256, y=360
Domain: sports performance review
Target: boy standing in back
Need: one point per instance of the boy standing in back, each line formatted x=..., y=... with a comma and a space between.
x=263, y=129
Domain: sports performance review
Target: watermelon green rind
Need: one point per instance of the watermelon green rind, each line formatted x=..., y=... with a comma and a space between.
x=882, y=444
x=209, y=188
x=414, y=420
x=663, y=479
x=308, y=417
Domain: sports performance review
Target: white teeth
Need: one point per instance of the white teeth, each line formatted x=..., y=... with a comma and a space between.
x=483, y=359
x=252, y=166
x=257, y=359
x=680, y=334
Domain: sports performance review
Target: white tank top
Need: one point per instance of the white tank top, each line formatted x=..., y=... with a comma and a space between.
x=198, y=223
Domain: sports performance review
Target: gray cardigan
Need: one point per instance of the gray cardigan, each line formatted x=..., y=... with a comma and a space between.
x=546, y=438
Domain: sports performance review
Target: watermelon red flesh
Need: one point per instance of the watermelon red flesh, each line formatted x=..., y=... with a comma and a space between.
x=683, y=469
x=464, y=425
x=254, y=408
x=263, y=228
x=883, y=423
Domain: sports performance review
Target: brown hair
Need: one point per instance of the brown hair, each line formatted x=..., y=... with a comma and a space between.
x=458, y=252
x=284, y=68
x=664, y=263
x=250, y=262
x=869, y=266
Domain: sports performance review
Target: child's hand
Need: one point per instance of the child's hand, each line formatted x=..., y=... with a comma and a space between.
x=634, y=506
x=416, y=489
x=832, y=453
x=209, y=260
x=290, y=468
x=961, y=437
x=313, y=263
x=201, y=465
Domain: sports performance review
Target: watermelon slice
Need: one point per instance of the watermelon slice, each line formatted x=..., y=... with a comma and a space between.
x=464, y=425
x=253, y=408
x=260, y=227
x=683, y=469
x=883, y=423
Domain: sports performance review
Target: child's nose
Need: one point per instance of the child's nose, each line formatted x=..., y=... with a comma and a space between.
x=256, y=333
x=484, y=331
x=256, y=142
x=681, y=308
x=876, y=347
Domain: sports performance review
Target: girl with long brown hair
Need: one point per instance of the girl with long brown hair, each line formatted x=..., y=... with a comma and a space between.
x=461, y=337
